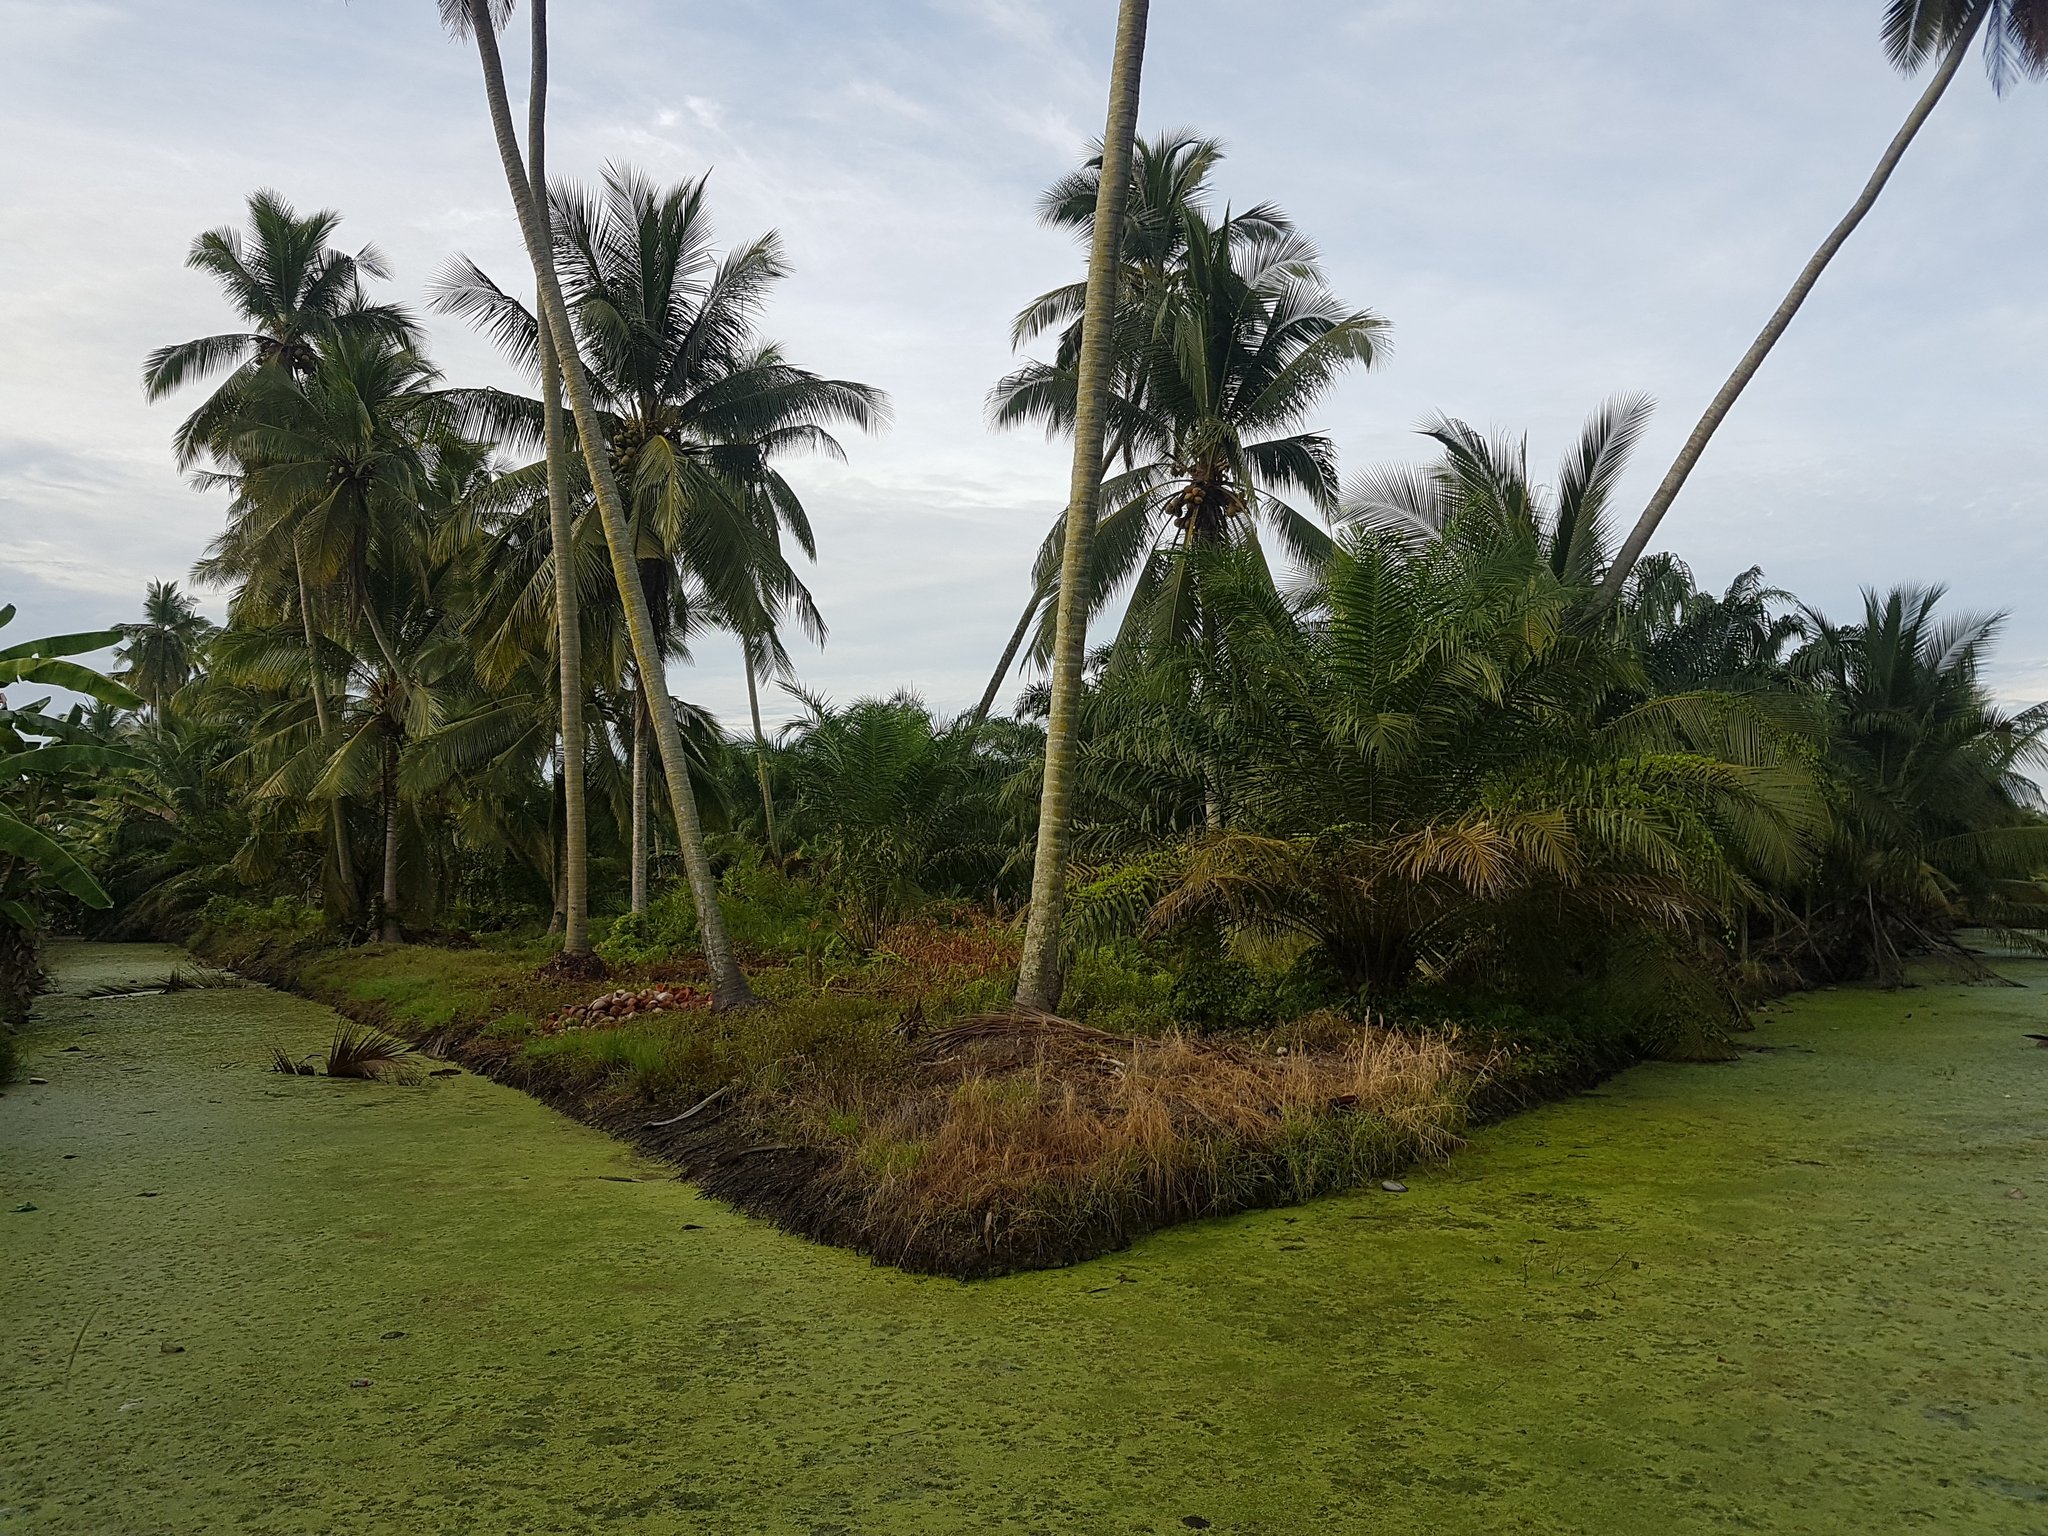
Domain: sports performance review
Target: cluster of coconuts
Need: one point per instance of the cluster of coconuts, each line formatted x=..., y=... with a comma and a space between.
x=628, y=1003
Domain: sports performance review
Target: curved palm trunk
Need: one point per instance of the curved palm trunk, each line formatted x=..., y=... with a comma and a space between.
x=1681, y=467
x=760, y=751
x=575, y=882
x=639, y=812
x=1039, y=971
x=1009, y=656
x=728, y=983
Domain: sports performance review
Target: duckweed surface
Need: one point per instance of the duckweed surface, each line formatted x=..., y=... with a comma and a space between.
x=1800, y=1292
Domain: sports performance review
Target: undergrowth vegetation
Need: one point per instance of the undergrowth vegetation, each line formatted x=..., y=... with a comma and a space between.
x=1391, y=801
x=888, y=1098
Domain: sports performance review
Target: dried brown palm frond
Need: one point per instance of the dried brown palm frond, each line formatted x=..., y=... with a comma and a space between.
x=201, y=978
x=361, y=1051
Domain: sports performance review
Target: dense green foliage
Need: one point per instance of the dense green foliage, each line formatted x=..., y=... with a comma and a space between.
x=52, y=768
x=1377, y=746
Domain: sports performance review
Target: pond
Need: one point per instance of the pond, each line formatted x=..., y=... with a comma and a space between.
x=1802, y=1291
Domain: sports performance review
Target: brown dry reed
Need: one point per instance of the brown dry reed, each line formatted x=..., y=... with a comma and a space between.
x=1031, y=1138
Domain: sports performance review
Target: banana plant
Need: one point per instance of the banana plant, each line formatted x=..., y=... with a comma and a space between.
x=40, y=754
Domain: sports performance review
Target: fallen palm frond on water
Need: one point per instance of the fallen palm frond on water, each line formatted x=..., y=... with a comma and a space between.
x=360, y=1051
x=179, y=979
x=282, y=1060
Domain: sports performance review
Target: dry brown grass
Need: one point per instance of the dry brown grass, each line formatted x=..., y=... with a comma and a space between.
x=1027, y=1136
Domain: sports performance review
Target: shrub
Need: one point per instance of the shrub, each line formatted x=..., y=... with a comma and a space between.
x=1214, y=990
x=767, y=913
x=1121, y=987
x=669, y=925
x=283, y=917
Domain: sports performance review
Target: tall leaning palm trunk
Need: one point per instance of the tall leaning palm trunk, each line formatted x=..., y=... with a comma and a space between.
x=728, y=983
x=568, y=639
x=747, y=646
x=1039, y=973
x=1717, y=409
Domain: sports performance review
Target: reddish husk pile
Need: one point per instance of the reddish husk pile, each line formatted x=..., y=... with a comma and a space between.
x=625, y=1005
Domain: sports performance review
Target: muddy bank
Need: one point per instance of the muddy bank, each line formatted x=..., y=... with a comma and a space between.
x=1795, y=1293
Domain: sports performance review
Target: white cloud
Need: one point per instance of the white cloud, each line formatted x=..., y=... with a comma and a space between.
x=1549, y=207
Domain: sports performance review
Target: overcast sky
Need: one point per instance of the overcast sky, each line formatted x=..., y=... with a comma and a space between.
x=1550, y=204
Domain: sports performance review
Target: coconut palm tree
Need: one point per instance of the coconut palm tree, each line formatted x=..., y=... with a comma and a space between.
x=291, y=288
x=1042, y=964
x=1208, y=409
x=479, y=19
x=1169, y=191
x=697, y=411
x=575, y=881
x=403, y=684
x=355, y=465
x=338, y=466
x=159, y=655
x=1915, y=31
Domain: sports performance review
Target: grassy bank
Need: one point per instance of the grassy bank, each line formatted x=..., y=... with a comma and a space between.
x=888, y=1102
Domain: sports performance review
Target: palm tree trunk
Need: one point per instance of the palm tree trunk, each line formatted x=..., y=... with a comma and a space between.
x=995, y=683
x=1674, y=479
x=1212, y=763
x=344, y=869
x=729, y=987
x=760, y=751
x=639, y=813
x=557, y=916
x=313, y=680
x=568, y=637
x=388, y=917
x=1039, y=973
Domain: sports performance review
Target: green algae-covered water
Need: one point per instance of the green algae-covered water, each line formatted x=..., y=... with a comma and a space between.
x=1804, y=1292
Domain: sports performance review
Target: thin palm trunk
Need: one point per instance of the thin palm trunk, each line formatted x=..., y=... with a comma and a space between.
x=337, y=821
x=1009, y=656
x=1040, y=970
x=760, y=751
x=313, y=678
x=639, y=855
x=729, y=983
x=575, y=883
x=388, y=916
x=556, y=917
x=1212, y=762
x=1674, y=479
